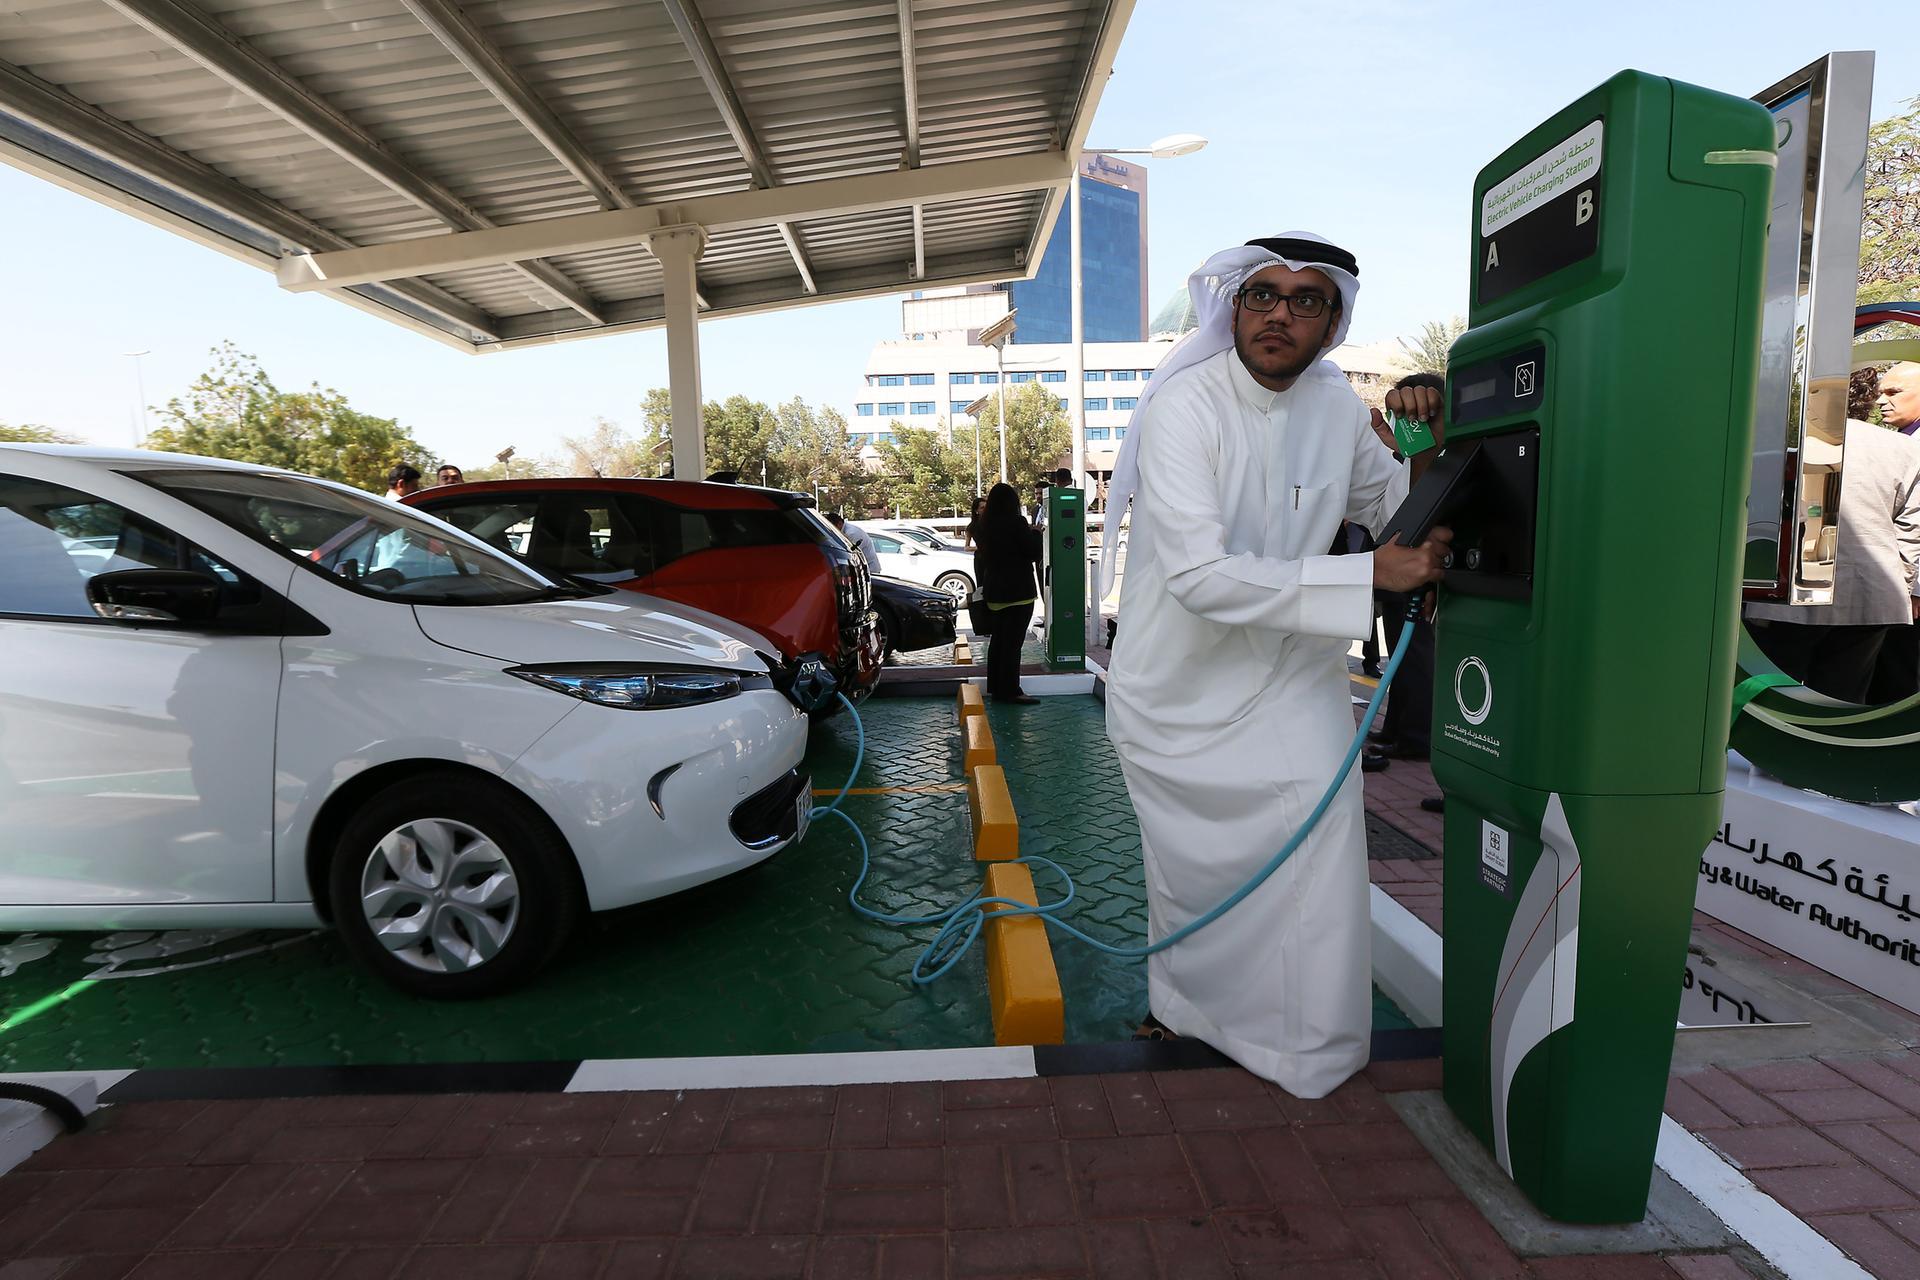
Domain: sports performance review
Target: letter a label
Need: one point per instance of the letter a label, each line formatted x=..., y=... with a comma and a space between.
x=1493, y=256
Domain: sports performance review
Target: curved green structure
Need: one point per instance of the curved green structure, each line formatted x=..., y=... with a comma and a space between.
x=1870, y=755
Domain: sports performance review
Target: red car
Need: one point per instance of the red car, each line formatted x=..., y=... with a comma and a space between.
x=759, y=557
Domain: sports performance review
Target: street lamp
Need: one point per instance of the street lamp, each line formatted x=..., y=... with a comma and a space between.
x=140, y=386
x=1174, y=144
x=974, y=411
x=997, y=335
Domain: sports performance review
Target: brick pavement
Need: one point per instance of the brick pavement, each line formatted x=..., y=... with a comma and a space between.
x=1208, y=1173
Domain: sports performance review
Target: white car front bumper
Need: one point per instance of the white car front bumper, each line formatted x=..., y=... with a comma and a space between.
x=647, y=799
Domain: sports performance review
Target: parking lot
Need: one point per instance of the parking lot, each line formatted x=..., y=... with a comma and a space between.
x=768, y=961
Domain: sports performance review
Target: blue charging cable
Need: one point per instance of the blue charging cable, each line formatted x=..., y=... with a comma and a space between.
x=961, y=923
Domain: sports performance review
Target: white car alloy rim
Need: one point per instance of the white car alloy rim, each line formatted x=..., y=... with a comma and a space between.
x=440, y=895
x=955, y=586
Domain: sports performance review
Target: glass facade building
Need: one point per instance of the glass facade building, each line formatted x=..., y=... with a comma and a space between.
x=1113, y=263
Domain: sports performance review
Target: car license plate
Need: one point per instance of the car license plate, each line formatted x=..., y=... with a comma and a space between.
x=803, y=808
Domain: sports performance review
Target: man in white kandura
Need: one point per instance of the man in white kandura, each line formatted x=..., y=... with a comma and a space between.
x=1227, y=700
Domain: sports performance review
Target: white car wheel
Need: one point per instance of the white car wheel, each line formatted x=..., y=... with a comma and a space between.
x=957, y=585
x=448, y=888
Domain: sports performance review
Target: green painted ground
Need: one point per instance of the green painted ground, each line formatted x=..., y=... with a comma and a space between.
x=770, y=961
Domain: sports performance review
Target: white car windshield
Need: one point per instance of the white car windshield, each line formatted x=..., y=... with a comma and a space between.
x=375, y=546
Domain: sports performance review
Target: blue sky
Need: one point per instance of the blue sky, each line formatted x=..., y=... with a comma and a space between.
x=1364, y=121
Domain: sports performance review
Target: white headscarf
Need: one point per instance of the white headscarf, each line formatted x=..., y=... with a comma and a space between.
x=1212, y=288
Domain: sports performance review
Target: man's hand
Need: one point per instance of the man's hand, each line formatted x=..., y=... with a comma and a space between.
x=1383, y=431
x=1402, y=568
x=1915, y=602
x=1422, y=404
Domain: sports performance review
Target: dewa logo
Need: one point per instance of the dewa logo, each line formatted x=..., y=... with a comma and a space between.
x=1473, y=690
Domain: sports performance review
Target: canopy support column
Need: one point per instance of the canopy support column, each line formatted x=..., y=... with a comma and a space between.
x=679, y=249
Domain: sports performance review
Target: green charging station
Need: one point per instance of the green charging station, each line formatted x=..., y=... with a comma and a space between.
x=1595, y=471
x=1065, y=573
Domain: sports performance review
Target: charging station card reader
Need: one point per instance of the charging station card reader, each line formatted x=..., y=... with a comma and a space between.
x=1484, y=489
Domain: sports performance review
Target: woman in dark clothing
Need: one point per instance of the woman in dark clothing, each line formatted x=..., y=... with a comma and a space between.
x=1006, y=556
x=973, y=520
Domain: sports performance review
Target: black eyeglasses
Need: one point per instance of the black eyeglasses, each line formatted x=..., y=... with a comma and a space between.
x=1260, y=298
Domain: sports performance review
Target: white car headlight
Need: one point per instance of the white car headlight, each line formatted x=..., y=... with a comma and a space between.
x=638, y=690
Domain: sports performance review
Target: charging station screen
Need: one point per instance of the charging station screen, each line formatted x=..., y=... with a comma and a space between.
x=1543, y=217
x=1509, y=384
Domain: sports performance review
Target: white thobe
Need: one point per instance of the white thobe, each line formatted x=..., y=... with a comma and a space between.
x=1227, y=703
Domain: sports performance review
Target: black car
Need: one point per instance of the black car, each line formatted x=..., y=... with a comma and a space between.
x=911, y=616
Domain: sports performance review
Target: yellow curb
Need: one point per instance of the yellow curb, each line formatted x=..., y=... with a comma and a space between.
x=996, y=831
x=968, y=702
x=1023, y=987
x=977, y=738
x=962, y=652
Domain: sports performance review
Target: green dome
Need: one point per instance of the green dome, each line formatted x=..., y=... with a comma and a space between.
x=1174, y=318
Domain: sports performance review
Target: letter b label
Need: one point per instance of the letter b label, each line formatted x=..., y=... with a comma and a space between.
x=1583, y=207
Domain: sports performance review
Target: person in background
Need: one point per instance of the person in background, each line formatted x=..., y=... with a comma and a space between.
x=1897, y=393
x=450, y=474
x=1059, y=479
x=402, y=481
x=857, y=538
x=1899, y=399
x=973, y=521
x=1856, y=648
x=1006, y=559
x=1038, y=516
x=1406, y=731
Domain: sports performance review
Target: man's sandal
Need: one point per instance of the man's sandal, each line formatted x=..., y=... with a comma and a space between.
x=1154, y=1029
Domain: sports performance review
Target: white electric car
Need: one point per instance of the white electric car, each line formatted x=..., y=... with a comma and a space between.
x=906, y=557
x=931, y=539
x=276, y=700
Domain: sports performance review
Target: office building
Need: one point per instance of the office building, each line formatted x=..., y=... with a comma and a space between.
x=929, y=381
x=1113, y=262
x=928, y=376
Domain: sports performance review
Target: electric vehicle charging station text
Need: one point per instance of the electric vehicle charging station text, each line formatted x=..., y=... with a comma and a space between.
x=1066, y=576
x=1598, y=444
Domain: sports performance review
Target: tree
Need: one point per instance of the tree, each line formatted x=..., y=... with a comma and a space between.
x=1428, y=353
x=811, y=448
x=31, y=433
x=1890, y=214
x=656, y=410
x=739, y=435
x=235, y=411
x=1039, y=438
x=921, y=474
x=607, y=451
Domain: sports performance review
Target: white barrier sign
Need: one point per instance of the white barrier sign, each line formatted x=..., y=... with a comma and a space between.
x=1835, y=884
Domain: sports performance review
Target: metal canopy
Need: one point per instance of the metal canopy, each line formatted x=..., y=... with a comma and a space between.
x=494, y=174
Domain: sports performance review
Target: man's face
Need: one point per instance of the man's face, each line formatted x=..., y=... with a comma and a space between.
x=1277, y=346
x=406, y=488
x=450, y=475
x=1900, y=396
